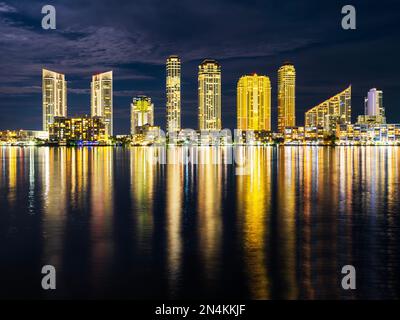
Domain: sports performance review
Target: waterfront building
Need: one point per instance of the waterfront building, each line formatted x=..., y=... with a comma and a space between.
x=254, y=103
x=209, y=95
x=286, y=96
x=10, y=137
x=294, y=135
x=374, y=109
x=102, y=99
x=367, y=134
x=173, y=88
x=54, y=97
x=142, y=113
x=79, y=129
x=328, y=114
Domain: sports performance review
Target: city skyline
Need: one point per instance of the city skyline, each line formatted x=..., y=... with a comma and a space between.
x=135, y=46
x=253, y=105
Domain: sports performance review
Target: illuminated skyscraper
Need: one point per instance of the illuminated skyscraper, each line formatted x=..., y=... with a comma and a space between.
x=374, y=103
x=173, y=86
x=210, y=95
x=254, y=103
x=102, y=99
x=142, y=113
x=328, y=114
x=286, y=96
x=54, y=97
x=374, y=110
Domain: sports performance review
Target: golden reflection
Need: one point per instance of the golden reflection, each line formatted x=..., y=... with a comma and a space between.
x=209, y=209
x=253, y=201
x=101, y=202
x=174, y=198
x=54, y=203
x=287, y=180
x=143, y=164
x=12, y=175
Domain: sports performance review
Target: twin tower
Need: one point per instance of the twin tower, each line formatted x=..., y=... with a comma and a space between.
x=253, y=98
x=54, y=98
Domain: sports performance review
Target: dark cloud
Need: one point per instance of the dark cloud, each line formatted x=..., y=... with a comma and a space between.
x=133, y=38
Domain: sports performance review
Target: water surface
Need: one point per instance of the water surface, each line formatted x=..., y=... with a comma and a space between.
x=116, y=223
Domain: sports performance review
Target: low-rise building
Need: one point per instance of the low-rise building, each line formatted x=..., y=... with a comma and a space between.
x=80, y=129
x=367, y=134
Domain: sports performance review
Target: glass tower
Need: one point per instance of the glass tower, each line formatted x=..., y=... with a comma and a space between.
x=102, y=99
x=286, y=96
x=210, y=95
x=173, y=87
x=54, y=97
x=254, y=103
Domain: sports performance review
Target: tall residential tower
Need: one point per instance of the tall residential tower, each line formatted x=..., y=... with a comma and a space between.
x=210, y=95
x=286, y=96
x=142, y=113
x=254, y=103
x=102, y=99
x=173, y=87
x=54, y=97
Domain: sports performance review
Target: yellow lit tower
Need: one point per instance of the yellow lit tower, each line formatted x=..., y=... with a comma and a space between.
x=286, y=96
x=173, y=86
x=254, y=103
x=142, y=113
x=54, y=95
x=102, y=99
x=210, y=95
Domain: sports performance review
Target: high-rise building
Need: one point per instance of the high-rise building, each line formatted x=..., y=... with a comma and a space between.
x=173, y=87
x=374, y=103
x=328, y=114
x=54, y=97
x=254, y=103
x=210, y=95
x=102, y=99
x=142, y=113
x=286, y=96
x=374, y=110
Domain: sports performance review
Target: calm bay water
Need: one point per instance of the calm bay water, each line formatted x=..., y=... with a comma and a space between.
x=117, y=224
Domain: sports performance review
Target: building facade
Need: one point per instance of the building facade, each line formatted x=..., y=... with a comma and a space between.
x=173, y=88
x=286, y=96
x=78, y=129
x=54, y=97
x=102, y=99
x=366, y=134
x=254, y=103
x=209, y=95
x=374, y=109
x=142, y=113
x=328, y=114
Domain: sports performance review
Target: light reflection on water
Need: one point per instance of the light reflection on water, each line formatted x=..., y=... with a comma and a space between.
x=117, y=223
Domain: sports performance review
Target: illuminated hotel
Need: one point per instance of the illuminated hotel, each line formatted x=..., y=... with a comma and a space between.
x=142, y=113
x=210, y=95
x=173, y=87
x=328, y=114
x=102, y=99
x=54, y=95
x=286, y=96
x=77, y=129
x=254, y=103
x=374, y=110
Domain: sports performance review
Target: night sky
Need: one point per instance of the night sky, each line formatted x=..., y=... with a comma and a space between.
x=133, y=38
